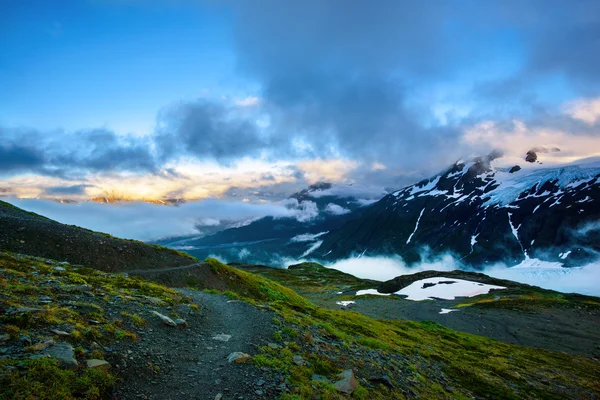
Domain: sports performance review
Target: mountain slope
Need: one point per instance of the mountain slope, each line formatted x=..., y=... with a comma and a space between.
x=483, y=214
x=28, y=233
x=325, y=208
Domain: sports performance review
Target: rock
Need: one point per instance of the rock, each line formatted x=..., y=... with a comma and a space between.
x=4, y=338
x=219, y=396
x=64, y=354
x=238, y=357
x=531, y=156
x=514, y=169
x=274, y=346
x=298, y=360
x=348, y=383
x=59, y=269
x=60, y=333
x=222, y=337
x=182, y=323
x=166, y=320
x=259, y=392
x=98, y=364
x=259, y=382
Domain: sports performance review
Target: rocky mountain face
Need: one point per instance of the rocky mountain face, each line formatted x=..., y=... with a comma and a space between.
x=320, y=210
x=483, y=214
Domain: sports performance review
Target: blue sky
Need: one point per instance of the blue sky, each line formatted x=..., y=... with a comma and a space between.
x=96, y=93
x=83, y=64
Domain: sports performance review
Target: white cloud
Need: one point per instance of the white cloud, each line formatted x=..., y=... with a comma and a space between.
x=335, y=209
x=249, y=101
x=586, y=110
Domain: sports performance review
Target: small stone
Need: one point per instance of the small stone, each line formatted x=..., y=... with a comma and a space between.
x=222, y=337
x=154, y=300
x=166, y=320
x=59, y=269
x=298, y=360
x=4, y=337
x=219, y=396
x=60, y=333
x=98, y=364
x=40, y=345
x=259, y=382
x=274, y=346
x=259, y=392
x=238, y=357
x=182, y=323
x=348, y=383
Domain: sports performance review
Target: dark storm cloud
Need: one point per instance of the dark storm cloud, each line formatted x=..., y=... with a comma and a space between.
x=16, y=158
x=70, y=154
x=207, y=129
x=340, y=74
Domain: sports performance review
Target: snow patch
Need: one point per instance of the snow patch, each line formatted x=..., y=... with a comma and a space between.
x=444, y=288
x=447, y=311
x=370, y=291
x=312, y=248
x=345, y=303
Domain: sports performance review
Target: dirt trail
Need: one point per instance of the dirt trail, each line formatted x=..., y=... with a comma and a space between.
x=192, y=364
x=161, y=270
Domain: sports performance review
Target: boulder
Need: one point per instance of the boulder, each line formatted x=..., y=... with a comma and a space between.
x=222, y=337
x=347, y=383
x=64, y=354
x=182, y=323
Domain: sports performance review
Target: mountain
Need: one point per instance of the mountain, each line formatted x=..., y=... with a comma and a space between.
x=320, y=208
x=29, y=233
x=483, y=213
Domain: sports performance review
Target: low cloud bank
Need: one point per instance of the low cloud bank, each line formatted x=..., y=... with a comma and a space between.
x=386, y=268
x=144, y=221
x=584, y=280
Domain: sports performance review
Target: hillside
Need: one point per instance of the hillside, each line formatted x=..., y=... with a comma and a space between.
x=482, y=213
x=28, y=233
x=56, y=319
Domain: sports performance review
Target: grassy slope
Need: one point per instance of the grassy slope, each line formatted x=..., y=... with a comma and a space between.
x=477, y=366
x=422, y=359
x=28, y=233
x=23, y=282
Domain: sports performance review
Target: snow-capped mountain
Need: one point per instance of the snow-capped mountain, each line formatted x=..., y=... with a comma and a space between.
x=483, y=213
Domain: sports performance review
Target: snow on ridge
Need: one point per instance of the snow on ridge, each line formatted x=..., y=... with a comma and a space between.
x=416, y=226
x=307, y=237
x=510, y=186
x=370, y=291
x=312, y=248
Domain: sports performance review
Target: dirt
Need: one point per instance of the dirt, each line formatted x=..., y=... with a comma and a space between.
x=192, y=364
x=568, y=330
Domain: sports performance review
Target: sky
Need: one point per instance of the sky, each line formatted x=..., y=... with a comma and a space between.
x=252, y=100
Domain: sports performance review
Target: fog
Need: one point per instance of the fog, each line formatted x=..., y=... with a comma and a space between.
x=144, y=221
x=584, y=280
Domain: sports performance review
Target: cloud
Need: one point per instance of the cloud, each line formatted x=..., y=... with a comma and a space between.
x=334, y=209
x=143, y=221
x=248, y=101
x=587, y=110
x=303, y=211
x=67, y=190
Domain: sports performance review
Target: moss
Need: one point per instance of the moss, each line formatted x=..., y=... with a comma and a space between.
x=44, y=380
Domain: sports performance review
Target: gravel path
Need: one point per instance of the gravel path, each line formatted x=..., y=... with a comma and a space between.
x=192, y=364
